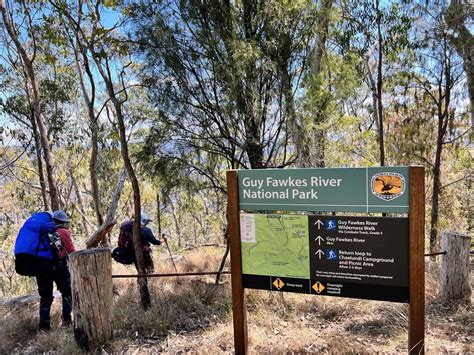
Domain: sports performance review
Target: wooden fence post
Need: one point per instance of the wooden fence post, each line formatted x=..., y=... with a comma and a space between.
x=91, y=281
x=455, y=283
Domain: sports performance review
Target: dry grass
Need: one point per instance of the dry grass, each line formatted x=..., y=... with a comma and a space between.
x=19, y=333
x=191, y=314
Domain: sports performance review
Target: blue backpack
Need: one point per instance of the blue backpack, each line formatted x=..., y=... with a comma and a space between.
x=34, y=254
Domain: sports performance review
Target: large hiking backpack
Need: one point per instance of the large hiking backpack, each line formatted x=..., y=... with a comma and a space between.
x=34, y=254
x=124, y=253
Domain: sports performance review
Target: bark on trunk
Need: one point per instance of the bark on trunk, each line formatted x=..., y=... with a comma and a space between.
x=380, y=86
x=443, y=106
x=39, y=163
x=93, y=171
x=158, y=213
x=80, y=202
x=435, y=200
x=314, y=148
x=457, y=17
x=226, y=253
x=91, y=281
x=177, y=225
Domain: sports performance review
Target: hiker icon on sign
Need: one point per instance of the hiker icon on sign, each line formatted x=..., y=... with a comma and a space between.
x=331, y=254
x=330, y=224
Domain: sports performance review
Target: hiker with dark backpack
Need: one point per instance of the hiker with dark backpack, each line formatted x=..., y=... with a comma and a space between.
x=41, y=250
x=125, y=253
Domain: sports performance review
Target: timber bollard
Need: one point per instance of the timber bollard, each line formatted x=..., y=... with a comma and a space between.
x=91, y=281
x=455, y=283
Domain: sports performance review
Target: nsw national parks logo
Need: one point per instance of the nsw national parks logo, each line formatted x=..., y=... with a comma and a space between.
x=388, y=186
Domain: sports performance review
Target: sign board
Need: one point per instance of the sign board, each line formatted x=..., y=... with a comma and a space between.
x=380, y=258
x=381, y=189
x=359, y=257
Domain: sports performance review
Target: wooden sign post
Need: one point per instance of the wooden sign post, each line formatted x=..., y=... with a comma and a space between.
x=379, y=258
x=416, y=220
x=239, y=307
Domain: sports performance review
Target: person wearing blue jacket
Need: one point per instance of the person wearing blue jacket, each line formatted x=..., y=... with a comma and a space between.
x=146, y=239
x=41, y=250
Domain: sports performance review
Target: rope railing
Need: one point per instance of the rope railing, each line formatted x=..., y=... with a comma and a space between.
x=173, y=274
x=444, y=253
x=437, y=253
x=218, y=273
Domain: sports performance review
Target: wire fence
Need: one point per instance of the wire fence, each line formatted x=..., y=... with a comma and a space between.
x=174, y=274
x=220, y=273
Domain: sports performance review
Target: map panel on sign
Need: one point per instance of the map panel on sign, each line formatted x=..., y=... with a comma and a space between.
x=280, y=247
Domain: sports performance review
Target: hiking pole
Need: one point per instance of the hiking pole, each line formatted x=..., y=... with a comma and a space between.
x=169, y=251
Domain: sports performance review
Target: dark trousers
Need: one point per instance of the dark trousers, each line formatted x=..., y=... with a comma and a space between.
x=62, y=278
x=147, y=258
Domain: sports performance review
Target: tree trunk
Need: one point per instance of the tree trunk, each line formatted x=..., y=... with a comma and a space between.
x=80, y=202
x=93, y=171
x=39, y=163
x=89, y=101
x=455, y=274
x=380, y=85
x=91, y=281
x=35, y=90
x=436, y=191
x=177, y=225
x=316, y=151
x=158, y=213
x=104, y=71
x=141, y=269
x=321, y=37
x=457, y=18
x=226, y=253
x=442, y=113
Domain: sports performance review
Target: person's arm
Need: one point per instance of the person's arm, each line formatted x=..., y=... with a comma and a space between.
x=66, y=239
x=149, y=237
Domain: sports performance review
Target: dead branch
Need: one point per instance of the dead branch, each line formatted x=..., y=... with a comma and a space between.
x=109, y=221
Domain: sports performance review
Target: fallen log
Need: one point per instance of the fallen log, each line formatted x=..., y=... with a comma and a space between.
x=22, y=301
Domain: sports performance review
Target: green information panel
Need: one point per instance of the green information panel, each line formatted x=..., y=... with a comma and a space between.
x=379, y=189
x=275, y=245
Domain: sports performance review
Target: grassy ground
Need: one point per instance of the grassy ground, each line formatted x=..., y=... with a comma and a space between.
x=194, y=315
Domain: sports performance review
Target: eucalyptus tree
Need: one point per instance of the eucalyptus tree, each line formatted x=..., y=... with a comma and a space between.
x=379, y=34
x=20, y=23
x=90, y=92
x=438, y=73
x=458, y=16
x=313, y=133
x=224, y=75
x=107, y=48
